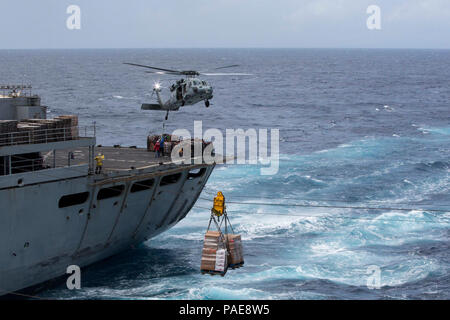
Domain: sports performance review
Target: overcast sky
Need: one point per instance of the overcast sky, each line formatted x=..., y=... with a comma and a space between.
x=224, y=23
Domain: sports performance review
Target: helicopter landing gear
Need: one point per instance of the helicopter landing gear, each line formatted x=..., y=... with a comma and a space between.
x=167, y=114
x=207, y=103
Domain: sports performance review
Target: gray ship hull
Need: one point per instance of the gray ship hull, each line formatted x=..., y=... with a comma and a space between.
x=40, y=239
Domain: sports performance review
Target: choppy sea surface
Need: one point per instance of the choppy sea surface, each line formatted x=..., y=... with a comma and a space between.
x=358, y=128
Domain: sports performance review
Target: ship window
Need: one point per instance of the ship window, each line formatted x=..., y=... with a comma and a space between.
x=110, y=192
x=142, y=185
x=196, y=173
x=173, y=178
x=73, y=199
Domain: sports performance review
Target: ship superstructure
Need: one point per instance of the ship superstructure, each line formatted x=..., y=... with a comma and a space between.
x=55, y=211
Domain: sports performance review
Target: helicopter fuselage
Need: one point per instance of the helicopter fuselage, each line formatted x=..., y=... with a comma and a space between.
x=185, y=92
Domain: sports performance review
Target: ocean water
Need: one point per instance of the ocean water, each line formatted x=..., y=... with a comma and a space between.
x=358, y=128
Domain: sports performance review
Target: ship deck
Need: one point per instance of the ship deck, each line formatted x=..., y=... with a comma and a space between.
x=116, y=158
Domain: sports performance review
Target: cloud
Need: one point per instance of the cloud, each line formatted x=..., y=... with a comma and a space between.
x=324, y=10
x=417, y=11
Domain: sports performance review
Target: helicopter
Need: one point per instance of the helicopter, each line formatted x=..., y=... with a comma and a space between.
x=186, y=91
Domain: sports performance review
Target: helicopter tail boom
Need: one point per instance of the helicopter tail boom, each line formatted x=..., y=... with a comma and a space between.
x=151, y=106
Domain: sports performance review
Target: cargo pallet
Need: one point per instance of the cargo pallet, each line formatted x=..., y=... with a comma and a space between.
x=213, y=272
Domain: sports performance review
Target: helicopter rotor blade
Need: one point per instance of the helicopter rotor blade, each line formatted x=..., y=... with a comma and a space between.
x=150, y=67
x=225, y=74
x=225, y=67
x=163, y=72
x=188, y=72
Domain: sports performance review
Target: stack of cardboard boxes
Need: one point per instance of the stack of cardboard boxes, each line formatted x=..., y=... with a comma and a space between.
x=214, y=254
x=49, y=129
x=7, y=127
x=70, y=125
x=29, y=133
x=38, y=130
x=221, y=252
x=236, y=254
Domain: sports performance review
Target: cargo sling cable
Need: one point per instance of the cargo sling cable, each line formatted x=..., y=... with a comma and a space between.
x=316, y=216
x=328, y=206
x=314, y=199
x=333, y=207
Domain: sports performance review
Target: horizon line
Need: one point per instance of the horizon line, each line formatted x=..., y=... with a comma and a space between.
x=241, y=48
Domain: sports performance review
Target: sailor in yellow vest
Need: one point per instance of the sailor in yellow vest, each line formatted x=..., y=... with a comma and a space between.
x=219, y=204
x=99, y=159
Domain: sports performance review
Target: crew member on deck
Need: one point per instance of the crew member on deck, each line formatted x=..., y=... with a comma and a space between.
x=157, y=147
x=99, y=159
x=161, y=145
